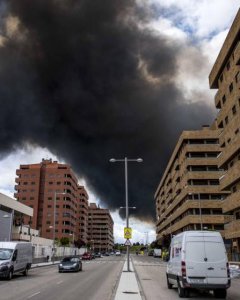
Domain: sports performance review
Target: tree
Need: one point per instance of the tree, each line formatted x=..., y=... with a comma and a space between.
x=64, y=241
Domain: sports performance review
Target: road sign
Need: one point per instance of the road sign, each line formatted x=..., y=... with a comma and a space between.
x=127, y=233
x=128, y=243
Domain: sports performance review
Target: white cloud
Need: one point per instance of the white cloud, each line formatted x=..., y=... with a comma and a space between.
x=204, y=17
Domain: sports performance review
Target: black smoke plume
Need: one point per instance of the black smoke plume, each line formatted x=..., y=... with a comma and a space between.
x=88, y=81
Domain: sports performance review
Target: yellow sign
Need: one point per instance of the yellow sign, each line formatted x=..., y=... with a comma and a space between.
x=127, y=233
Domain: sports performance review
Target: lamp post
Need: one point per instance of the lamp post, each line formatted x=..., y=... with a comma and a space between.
x=54, y=220
x=126, y=160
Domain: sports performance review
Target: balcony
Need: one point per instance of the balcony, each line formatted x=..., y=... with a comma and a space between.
x=231, y=176
x=232, y=229
x=229, y=152
x=237, y=54
x=231, y=202
x=203, y=175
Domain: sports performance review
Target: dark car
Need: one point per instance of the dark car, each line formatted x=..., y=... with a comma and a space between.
x=97, y=254
x=86, y=256
x=70, y=264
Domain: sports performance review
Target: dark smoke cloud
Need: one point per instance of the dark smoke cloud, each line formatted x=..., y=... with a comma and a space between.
x=79, y=77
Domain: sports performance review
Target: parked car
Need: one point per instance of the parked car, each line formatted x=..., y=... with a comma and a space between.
x=87, y=256
x=118, y=253
x=198, y=260
x=70, y=264
x=97, y=254
x=15, y=257
x=150, y=252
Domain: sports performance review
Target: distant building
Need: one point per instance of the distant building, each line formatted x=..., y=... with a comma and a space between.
x=202, y=178
x=47, y=187
x=100, y=228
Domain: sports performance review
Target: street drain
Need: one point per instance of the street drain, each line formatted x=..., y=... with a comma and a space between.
x=127, y=292
x=146, y=279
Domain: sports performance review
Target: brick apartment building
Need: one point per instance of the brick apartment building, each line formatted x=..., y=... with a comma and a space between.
x=189, y=180
x=100, y=228
x=225, y=77
x=188, y=196
x=49, y=186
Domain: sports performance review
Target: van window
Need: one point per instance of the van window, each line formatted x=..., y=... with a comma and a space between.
x=5, y=254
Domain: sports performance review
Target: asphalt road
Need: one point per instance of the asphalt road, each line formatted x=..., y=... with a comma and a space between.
x=97, y=281
x=151, y=273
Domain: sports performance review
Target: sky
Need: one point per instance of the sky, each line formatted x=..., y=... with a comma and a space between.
x=84, y=81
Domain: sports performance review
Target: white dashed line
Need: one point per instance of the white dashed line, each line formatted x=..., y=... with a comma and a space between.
x=33, y=295
x=59, y=282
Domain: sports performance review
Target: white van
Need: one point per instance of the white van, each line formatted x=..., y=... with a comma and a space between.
x=198, y=260
x=15, y=257
x=157, y=253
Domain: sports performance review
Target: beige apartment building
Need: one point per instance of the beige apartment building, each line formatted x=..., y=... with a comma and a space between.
x=50, y=187
x=225, y=77
x=188, y=196
x=200, y=187
x=100, y=228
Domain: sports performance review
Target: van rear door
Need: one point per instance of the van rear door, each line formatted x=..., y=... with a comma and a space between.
x=216, y=264
x=194, y=259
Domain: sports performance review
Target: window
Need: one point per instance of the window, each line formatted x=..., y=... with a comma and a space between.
x=49, y=206
x=221, y=77
x=234, y=189
x=226, y=120
x=31, y=198
x=228, y=65
x=230, y=87
x=237, y=131
x=237, y=77
x=223, y=99
x=234, y=110
x=33, y=183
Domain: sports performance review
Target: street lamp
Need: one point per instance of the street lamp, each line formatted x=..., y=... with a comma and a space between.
x=54, y=220
x=126, y=160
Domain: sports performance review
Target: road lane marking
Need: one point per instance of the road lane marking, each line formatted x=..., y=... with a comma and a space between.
x=59, y=282
x=35, y=294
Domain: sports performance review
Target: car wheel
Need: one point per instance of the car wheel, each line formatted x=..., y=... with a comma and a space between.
x=169, y=285
x=182, y=293
x=10, y=275
x=220, y=293
x=59, y=271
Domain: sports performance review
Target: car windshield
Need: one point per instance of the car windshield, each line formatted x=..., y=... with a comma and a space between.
x=70, y=259
x=5, y=254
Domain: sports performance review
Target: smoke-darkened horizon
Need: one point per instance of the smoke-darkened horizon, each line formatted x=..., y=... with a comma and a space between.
x=88, y=81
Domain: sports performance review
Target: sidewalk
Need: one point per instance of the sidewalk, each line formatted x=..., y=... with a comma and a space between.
x=128, y=287
x=44, y=264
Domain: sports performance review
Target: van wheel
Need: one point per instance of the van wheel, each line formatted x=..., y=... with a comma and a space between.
x=220, y=294
x=169, y=285
x=25, y=273
x=182, y=293
x=10, y=275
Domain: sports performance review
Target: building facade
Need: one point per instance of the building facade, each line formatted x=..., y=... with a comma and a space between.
x=188, y=196
x=201, y=184
x=225, y=77
x=52, y=190
x=100, y=228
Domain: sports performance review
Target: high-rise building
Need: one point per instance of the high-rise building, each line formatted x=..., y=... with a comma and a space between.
x=225, y=77
x=100, y=228
x=202, y=178
x=59, y=203
x=188, y=196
